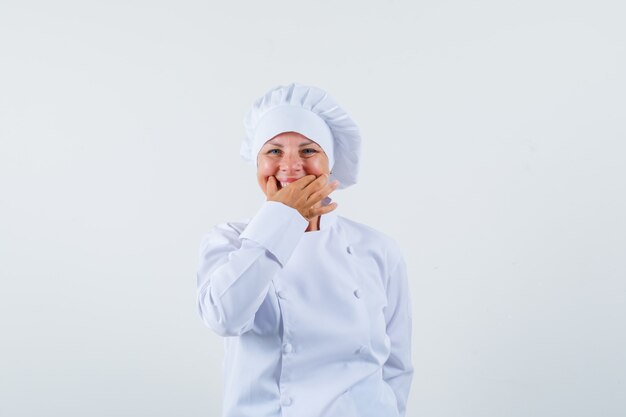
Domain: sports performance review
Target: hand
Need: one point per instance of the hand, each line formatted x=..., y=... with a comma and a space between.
x=305, y=194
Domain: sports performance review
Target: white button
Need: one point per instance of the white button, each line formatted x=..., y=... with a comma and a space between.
x=349, y=249
x=363, y=350
x=286, y=401
x=357, y=293
x=287, y=348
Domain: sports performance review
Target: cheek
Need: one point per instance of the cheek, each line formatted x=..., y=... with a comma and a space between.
x=265, y=168
x=317, y=166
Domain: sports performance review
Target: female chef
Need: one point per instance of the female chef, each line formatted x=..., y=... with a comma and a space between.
x=314, y=308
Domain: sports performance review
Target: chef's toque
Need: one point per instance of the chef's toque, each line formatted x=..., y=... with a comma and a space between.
x=311, y=112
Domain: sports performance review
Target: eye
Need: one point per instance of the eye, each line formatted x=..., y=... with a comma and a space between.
x=274, y=151
x=309, y=151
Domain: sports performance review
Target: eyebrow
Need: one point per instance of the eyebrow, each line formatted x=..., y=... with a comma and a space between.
x=301, y=145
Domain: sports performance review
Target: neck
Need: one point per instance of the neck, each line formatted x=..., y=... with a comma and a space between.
x=314, y=224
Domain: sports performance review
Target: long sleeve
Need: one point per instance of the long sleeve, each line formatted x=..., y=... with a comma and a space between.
x=235, y=271
x=398, y=370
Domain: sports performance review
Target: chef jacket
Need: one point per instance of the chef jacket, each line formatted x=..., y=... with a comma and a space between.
x=315, y=324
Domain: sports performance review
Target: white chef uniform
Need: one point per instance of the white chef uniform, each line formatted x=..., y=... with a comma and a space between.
x=316, y=324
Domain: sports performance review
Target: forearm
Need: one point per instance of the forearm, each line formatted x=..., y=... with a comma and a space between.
x=398, y=369
x=229, y=296
x=235, y=272
x=400, y=382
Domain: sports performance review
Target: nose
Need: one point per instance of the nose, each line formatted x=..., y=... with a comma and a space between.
x=291, y=164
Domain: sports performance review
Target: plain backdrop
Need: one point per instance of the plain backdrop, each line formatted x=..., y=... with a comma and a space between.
x=494, y=152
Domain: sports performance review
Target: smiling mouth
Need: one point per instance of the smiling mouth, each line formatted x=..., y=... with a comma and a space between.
x=283, y=184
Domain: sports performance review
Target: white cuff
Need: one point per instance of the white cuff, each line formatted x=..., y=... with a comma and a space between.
x=278, y=228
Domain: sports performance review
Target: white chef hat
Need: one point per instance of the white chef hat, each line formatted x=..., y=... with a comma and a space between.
x=311, y=112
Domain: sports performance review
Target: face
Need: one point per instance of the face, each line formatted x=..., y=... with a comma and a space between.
x=289, y=157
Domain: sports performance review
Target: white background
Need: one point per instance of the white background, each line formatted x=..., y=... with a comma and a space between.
x=494, y=153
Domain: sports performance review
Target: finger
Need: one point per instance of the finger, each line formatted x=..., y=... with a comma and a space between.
x=305, y=186
x=271, y=187
x=323, y=210
x=318, y=196
x=304, y=182
x=317, y=185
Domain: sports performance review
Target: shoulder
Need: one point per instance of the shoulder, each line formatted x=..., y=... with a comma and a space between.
x=365, y=232
x=372, y=241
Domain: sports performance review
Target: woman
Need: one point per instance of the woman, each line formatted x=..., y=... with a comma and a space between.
x=314, y=308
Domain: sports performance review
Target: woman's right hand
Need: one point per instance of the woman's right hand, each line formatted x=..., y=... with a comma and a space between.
x=304, y=194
